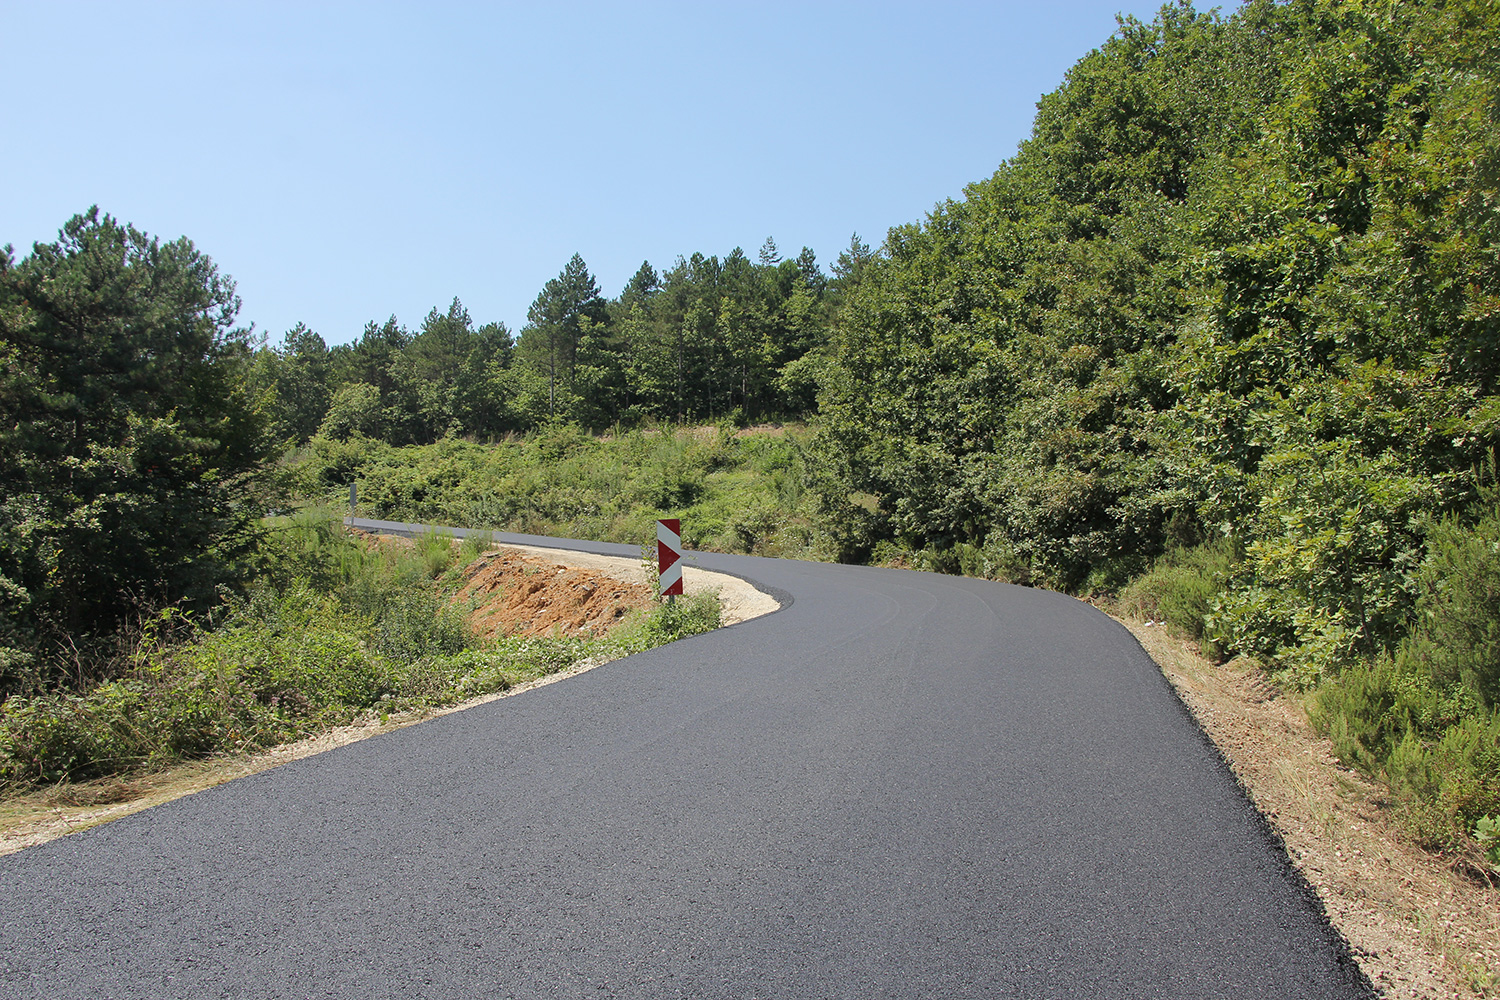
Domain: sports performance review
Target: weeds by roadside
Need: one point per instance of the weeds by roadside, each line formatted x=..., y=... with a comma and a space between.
x=339, y=629
x=736, y=492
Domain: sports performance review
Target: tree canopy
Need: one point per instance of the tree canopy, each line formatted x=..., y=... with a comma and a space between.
x=129, y=433
x=1241, y=281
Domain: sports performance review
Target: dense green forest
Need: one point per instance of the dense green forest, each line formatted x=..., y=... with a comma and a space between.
x=1222, y=339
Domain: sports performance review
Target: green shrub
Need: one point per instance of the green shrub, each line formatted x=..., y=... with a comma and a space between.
x=303, y=671
x=732, y=493
x=1111, y=574
x=1329, y=565
x=54, y=738
x=415, y=624
x=936, y=560
x=436, y=551
x=1427, y=718
x=1433, y=742
x=888, y=553
x=668, y=622
x=1487, y=833
x=1442, y=787
x=1180, y=587
x=474, y=545
x=997, y=559
x=312, y=545
x=294, y=659
x=1458, y=607
x=1370, y=707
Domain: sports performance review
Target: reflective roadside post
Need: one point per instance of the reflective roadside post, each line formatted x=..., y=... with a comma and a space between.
x=669, y=556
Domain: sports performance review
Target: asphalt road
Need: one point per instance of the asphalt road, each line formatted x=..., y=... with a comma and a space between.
x=900, y=785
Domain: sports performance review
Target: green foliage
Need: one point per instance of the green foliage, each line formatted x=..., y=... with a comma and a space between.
x=1002, y=368
x=1457, y=638
x=1181, y=300
x=709, y=339
x=1442, y=785
x=1329, y=570
x=996, y=559
x=400, y=387
x=1435, y=744
x=1487, y=834
x=338, y=628
x=736, y=493
x=1180, y=587
x=564, y=313
x=296, y=379
x=353, y=412
x=1427, y=718
x=668, y=622
x=131, y=438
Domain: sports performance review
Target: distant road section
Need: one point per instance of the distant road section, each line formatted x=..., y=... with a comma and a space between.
x=898, y=785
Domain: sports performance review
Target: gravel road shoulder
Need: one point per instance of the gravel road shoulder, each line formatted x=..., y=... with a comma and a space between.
x=1420, y=925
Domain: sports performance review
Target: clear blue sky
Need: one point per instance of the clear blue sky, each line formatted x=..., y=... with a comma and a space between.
x=347, y=162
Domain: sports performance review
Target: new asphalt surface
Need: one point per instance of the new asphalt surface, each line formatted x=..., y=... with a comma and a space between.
x=899, y=785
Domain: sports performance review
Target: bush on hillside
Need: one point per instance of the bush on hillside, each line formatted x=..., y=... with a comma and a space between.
x=1180, y=587
x=337, y=628
x=1427, y=718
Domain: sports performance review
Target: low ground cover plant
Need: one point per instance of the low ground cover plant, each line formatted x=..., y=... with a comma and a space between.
x=339, y=627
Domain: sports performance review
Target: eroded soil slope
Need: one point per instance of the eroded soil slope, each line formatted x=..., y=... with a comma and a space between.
x=517, y=594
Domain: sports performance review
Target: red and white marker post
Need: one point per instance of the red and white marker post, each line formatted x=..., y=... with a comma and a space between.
x=669, y=555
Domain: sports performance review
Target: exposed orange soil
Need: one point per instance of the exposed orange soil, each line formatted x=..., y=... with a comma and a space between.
x=519, y=595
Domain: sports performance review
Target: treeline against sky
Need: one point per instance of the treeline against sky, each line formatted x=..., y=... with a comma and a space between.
x=1245, y=270
x=1231, y=316
x=706, y=340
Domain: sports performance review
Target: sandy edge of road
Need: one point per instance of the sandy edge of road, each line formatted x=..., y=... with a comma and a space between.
x=39, y=817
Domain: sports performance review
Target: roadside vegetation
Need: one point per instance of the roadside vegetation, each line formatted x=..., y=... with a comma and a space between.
x=1221, y=340
x=735, y=490
x=338, y=628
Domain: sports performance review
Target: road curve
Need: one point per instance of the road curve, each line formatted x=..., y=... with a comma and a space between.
x=899, y=785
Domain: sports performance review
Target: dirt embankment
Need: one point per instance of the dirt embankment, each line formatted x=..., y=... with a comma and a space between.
x=738, y=600
x=517, y=594
x=526, y=590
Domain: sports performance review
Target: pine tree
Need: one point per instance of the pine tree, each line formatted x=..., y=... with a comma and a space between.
x=550, y=339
